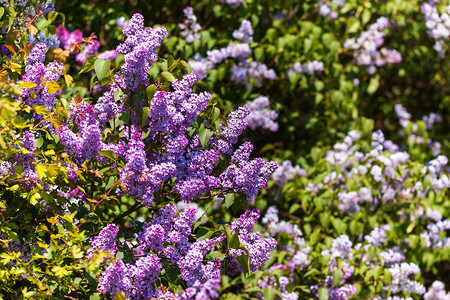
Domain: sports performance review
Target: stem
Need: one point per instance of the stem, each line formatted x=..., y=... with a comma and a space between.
x=136, y=206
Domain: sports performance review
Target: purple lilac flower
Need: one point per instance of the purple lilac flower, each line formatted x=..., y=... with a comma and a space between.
x=329, y=8
x=258, y=247
x=89, y=49
x=36, y=72
x=247, y=176
x=438, y=26
x=134, y=280
x=432, y=235
x=105, y=240
x=437, y=292
x=139, y=51
x=308, y=68
x=108, y=55
x=400, y=281
x=366, y=47
x=66, y=38
x=190, y=27
x=245, y=32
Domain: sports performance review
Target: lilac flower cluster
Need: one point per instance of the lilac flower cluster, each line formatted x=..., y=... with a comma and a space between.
x=88, y=141
x=438, y=26
x=432, y=235
x=437, y=292
x=257, y=246
x=260, y=115
x=296, y=254
x=105, y=240
x=400, y=281
x=415, y=136
x=232, y=3
x=25, y=10
x=330, y=8
x=366, y=47
x=381, y=163
x=190, y=27
x=245, y=32
x=248, y=176
x=136, y=281
x=39, y=74
x=139, y=50
x=245, y=71
x=66, y=38
x=166, y=236
x=341, y=247
x=287, y=172
x=51, y=41
x=308, y=68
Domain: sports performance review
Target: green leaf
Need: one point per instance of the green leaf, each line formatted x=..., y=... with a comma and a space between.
x=167, y=76
x=101, y=67
x=337, y=277
x=150, y=91
x=108, y=153
x=269, y=293
x=120, y=296
x=144, y=118
x=373, y=84
x=229, y=200
x=185, y=66
x=2, y=11
x=11, y=16
x=387, y=276
x=372, y=252
x=205, y=134
x=323, y=293
x=89, y=64
x=217, y=254
x=137, y=98
x=244, y=261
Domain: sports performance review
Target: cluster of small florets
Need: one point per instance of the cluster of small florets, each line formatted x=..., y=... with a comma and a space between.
x=400, y=281
x=40, y=75
x=190, y=27
x=244, y=175
x=232, y=3
x=308, y=68
x=341, y=248
x=381, y=163
x=245, y=71
x=24, y=10
x=105, y=240
x=415, y=137
x=366, y=46
x=287, y=172
x=438, y=26
x=245, y=32
x=330, y=8
x=296, y=254
x=437, y=292
x=166, y=236
x=261, y=115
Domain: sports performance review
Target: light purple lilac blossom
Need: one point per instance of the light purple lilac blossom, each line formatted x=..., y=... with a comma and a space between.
x=367, y=51
x=261, y=115
x=438, y=26
x=307, y=68
x=190, y=27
